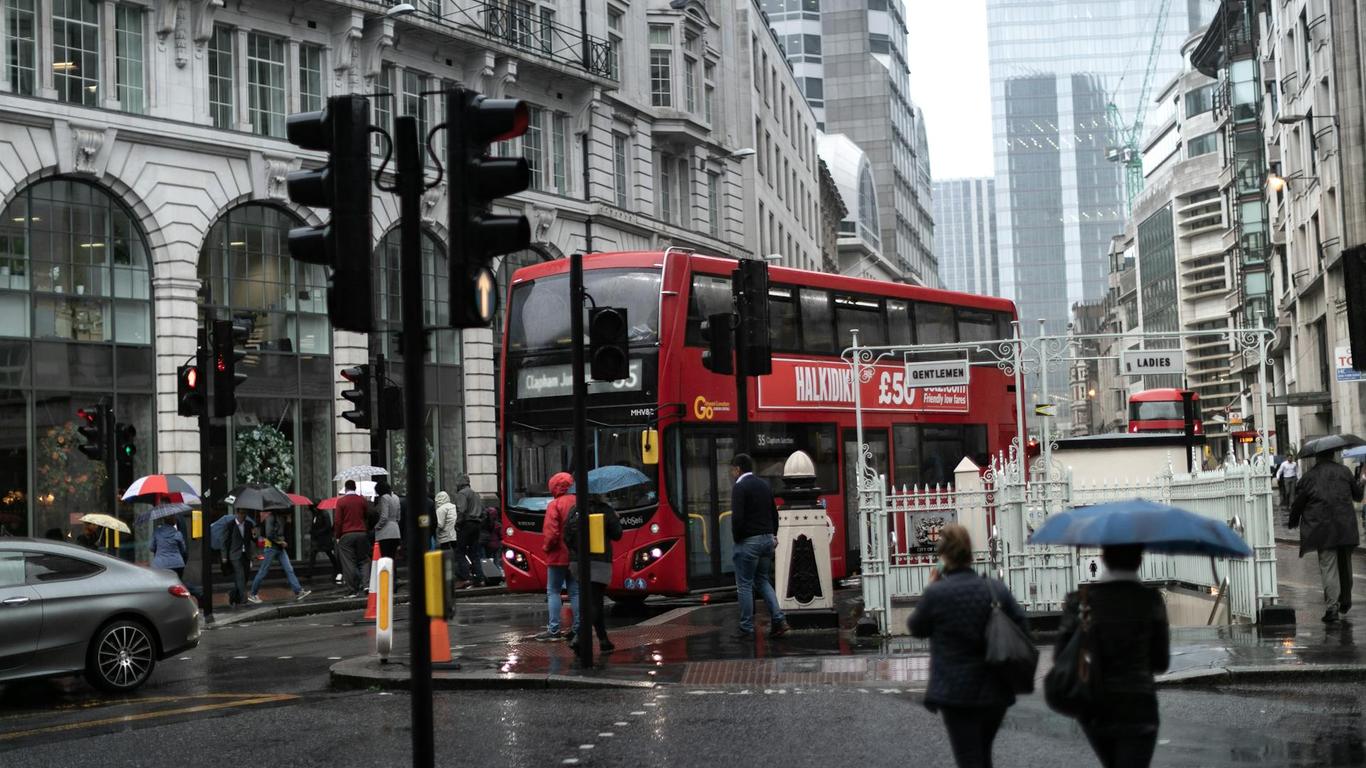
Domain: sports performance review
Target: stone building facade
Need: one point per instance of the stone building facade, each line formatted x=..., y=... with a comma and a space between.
x=143, y=186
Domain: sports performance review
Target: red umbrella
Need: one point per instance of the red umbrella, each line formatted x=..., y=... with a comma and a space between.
x=328, y=503
x=160, y=488
x=299, y=501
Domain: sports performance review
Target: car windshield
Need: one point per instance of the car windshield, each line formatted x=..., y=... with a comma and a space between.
x=535, y=455
x=539, y=315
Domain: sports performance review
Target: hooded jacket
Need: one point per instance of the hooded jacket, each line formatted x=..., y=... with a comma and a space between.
x=556, y=553
x=468, y=502
x=445, y=518
x=168, y=547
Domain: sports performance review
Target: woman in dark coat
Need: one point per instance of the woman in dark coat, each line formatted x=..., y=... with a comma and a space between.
x=953, y=614
x=1327, y=521
x=600, y=565
x=1128, y=638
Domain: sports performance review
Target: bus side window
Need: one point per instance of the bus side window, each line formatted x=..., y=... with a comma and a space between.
x=976, y=325
x=818, y=328
x=710, y=294
x=783, y=318
x=898, y=323
x=863, y=313
x=934, y=324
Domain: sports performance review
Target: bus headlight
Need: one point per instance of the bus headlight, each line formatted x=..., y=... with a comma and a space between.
x=645, y=556
x=517, y=559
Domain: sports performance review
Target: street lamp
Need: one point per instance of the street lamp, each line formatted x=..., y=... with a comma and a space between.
x=741, y=154
x=1278, y=183
x=402, y=9
x=1292, y=119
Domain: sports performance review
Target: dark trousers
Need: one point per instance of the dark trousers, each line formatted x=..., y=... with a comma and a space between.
x=389, y=548
x=469, y=553
x=1122, y=745
x=241, y=566
x=971, y=732
x=354, y=549
x=595, y=595
x=327, y=552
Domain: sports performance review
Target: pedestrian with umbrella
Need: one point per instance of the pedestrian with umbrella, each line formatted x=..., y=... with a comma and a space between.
x=169, y=549
x=1323, y=510
x=269, y=501
x=238, y=545
x=1114, y=634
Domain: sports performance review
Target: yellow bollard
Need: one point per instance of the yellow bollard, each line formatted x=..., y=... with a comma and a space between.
x=597, y=534
x=432, y=573
x=196, y=524
x=384, y=611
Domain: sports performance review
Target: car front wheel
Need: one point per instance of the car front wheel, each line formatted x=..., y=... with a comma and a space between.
x=121, y=657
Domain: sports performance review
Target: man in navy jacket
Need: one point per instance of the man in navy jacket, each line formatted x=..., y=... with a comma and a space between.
x=754, y=529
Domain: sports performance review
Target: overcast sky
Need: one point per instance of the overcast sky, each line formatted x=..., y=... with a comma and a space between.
x=950, y=82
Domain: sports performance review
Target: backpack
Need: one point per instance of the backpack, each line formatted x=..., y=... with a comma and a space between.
x=571, y=531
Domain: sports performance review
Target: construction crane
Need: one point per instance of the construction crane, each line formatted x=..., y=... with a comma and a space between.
x=1128, y=152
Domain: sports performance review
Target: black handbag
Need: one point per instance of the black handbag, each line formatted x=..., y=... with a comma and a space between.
x=1010, y=652
x=1071, y=686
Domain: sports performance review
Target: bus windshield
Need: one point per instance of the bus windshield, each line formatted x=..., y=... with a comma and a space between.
x=534, y=455
x=539, y=315
x=1157, y=410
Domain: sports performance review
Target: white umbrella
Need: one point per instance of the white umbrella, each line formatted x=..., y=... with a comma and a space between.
x=363, y=472
x=106, y=521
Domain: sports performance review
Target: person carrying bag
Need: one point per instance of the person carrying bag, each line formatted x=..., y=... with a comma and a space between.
x=957, y=613
x=1112, y=640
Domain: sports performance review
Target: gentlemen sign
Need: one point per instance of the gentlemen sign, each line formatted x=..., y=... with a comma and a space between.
x=940, y=373
x=1141, y=362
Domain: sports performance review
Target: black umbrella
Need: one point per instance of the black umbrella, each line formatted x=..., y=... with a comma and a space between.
x=258, y=497
x=1330, y=443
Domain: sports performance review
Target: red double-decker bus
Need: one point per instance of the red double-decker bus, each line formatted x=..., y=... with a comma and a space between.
x=675, y=420
x=1162, y=410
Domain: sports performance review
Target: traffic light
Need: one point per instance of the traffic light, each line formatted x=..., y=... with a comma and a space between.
x=1354, y=291
x=750, y=288
x=229, y=336
x=391, y=407
x=358, y=396
x=343, y=185
x=609, y=344
x=189, y=391
x=473, y=122
x=94, y=429
x=716, y=331
x=125, y=452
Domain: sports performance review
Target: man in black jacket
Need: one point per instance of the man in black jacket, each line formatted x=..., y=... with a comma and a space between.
x=1322, y=509
x=754, y=529
x=239, y=542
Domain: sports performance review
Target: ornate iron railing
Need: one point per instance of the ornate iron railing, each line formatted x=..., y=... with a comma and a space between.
x=529, y=28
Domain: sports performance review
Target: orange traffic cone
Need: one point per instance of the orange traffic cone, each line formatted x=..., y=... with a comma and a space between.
x=371, y=598
x=441, y=640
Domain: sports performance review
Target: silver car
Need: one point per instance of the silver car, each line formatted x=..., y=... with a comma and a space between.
x=65, y=609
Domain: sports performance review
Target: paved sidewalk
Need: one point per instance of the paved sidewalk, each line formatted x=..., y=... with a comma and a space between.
x=689, y=642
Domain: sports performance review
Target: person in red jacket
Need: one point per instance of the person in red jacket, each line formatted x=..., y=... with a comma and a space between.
x=557, y=573
x=349, y=531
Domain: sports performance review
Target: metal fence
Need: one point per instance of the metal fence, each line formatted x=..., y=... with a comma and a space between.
x=1002, y=507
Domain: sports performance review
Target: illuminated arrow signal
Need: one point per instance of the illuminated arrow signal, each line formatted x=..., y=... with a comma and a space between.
x=1045, y=410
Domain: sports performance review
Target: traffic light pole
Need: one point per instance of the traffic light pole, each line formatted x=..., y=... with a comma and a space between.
x=741, y=383
x=410, y=188
x=379, y=432
x=206, y=503
x=585, y=575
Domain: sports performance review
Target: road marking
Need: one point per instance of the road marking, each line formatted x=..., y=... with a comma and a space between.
x=606, y=735
x=637, y=714
x=586, y=746
x=240, y=702
x=621, y=724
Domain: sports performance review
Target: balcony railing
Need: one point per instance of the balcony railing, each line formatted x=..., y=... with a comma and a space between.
x=525, y=27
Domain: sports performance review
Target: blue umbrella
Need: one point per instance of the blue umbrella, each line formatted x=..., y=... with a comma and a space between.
x=1358, y=452
x=1158, y=527
x=613, y=478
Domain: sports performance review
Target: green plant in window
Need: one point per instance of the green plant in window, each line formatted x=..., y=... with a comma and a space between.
x=398, y=468
x=266, y=456
x=67, y=480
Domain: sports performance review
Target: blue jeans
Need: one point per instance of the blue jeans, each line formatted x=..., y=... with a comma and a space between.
x=558, y=577
x=753, y=557
x=270, y=555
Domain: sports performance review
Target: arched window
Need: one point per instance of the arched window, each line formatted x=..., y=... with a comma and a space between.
x=282, y=431
x=75, y=331
x=445, y=386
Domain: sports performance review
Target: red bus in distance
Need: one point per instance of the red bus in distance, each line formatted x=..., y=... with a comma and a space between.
x=1162, y=410
x=674, y=420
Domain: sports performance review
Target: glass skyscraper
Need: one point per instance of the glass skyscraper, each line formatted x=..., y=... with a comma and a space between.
x=965, y=235
x=1056, y=65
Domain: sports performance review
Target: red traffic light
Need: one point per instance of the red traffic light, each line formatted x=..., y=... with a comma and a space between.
x=354, y=373
x=86, y=416
x=192, y=377
x=500, y=119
